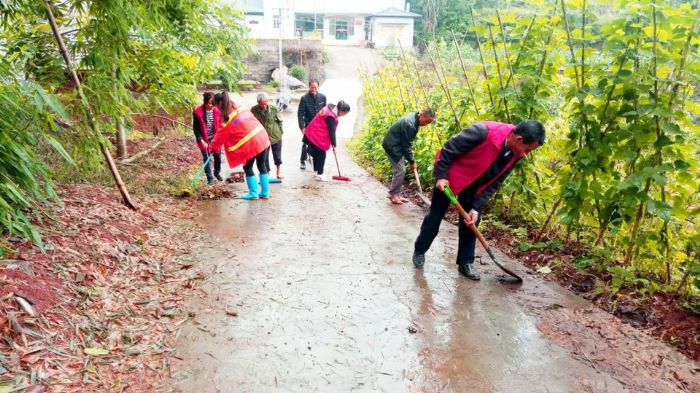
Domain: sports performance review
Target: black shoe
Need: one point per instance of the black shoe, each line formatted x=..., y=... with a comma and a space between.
x=218, y=177
x=303, y=165
x=469, y=271
x=418, y=260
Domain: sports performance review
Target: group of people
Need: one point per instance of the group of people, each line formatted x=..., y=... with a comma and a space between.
x=249, y=136
x=473, y=163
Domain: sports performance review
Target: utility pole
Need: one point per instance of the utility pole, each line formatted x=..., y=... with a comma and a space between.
x=279, y=46
x=280, y=38
x=282, y=73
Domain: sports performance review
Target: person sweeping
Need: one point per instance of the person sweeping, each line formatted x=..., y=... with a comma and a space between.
x=398, y=145
x=245, y=142
x=474, y=164
x=319, y=134
x=206, y=122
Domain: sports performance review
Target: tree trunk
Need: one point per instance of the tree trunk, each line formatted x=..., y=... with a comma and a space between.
x=120, y=133
x=121, y=139
x=88, y=110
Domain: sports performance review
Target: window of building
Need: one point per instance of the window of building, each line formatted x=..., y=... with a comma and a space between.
x=276, y=21
x=308, y=22
x=341, y=28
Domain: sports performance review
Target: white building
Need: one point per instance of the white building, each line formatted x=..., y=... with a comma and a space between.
x=336, y=22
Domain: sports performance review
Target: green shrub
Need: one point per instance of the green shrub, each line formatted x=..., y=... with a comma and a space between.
x=619, y=170
x=298, y=72
x=27, y=122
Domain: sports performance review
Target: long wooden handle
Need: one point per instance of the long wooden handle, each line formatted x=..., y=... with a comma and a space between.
x=473, y=227
x=336, y=162
x=415, y=173
x=482, y=240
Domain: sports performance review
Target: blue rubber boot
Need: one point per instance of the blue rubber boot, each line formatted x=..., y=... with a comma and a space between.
x=264, y=186
x=252, y=183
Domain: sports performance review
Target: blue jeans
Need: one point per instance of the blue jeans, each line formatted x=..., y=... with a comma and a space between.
x=217, y=166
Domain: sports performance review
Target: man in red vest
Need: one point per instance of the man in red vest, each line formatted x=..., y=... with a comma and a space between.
x=474, y=163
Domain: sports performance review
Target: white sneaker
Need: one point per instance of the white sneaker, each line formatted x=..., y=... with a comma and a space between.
x=322, y=178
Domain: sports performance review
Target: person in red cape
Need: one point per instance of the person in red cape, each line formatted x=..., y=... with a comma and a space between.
x=206, y=122
x=474, y=163
x=319, y=134
x=245, y=141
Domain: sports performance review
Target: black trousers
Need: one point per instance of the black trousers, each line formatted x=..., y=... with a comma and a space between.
x=276, y=150
x=431, y=225
x=304, y=151
x=260, y=160
x=319, y=157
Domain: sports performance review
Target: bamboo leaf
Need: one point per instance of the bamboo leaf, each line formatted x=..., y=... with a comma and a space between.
x=95, y=351
x=59, y=148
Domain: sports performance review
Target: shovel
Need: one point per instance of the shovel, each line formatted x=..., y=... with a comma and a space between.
x=420, y=189
x=453, y=198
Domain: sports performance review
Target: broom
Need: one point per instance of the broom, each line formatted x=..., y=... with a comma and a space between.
x=339, y=177
x=188, y=191
x=451, y=196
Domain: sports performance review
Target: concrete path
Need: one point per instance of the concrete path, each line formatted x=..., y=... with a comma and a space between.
x=327, y=299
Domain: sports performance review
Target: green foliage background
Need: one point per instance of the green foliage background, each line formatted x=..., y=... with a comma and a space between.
x=615, y=85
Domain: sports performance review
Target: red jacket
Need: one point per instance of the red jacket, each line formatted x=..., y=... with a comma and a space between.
x=199, y=125
x=243, y=138
x=317, y=131
x=466, y=168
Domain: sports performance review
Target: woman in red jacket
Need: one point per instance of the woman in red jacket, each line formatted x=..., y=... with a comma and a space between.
x=319, y=134
x=206, y=122
x=245, y=142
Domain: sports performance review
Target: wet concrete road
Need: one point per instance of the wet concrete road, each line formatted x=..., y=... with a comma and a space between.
x=327, y=299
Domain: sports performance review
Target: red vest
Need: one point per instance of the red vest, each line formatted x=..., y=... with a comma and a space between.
x=199, y=113
x=317, y=130
x=466, y=168
x=243, y=138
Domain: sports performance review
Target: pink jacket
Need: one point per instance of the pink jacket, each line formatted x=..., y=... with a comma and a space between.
x=317, y=131
x=468, y=167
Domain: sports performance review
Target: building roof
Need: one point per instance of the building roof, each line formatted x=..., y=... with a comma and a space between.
x=392, y=12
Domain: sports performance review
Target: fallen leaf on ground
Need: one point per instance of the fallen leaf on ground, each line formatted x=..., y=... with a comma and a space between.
x=544, y=270
x=95, y=351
